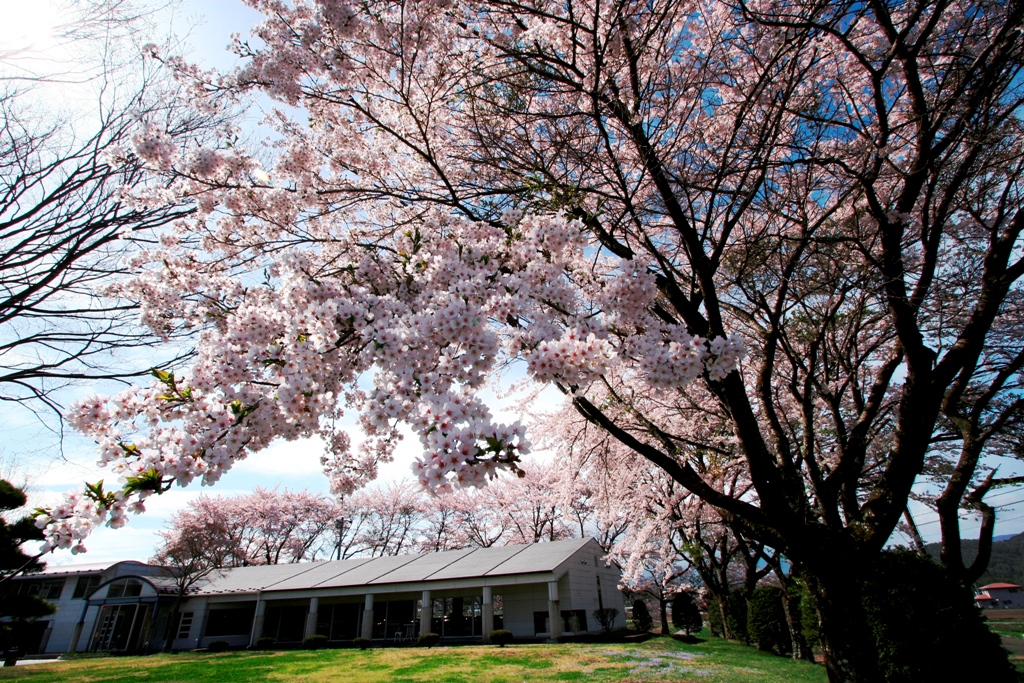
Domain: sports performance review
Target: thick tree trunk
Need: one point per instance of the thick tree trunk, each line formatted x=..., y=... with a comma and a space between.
x=663, y=607
x=723, y=611
x=792, y=609
x=850, y=652
x=170, y=630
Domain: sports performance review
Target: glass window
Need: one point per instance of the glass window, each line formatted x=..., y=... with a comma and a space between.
x=47, y=590
x=85, y=586
x=231, y=621
x=498, y=605
x=341, y=621
x=574, y=621
x=184, y=624
x=127, y=588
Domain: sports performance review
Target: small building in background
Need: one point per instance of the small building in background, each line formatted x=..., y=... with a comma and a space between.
x=999, y=596
x=539, y=591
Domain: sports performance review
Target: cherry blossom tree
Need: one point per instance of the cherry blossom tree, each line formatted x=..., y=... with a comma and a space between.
x=672, y=534
x=266, y=526
x=530, y=506
x=801, y=216
x=385, y=519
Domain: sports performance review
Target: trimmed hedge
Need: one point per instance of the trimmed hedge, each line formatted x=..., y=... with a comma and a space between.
x=317, y=642
x=428, y=640
x=218, y=646
x=501, y=637
x=265, y=643
x=362, y=643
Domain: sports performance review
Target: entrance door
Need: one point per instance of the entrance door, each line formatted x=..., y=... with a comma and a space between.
x=120, y=627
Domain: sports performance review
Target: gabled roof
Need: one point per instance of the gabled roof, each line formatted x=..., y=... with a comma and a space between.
x=992, y=586
x=452, y=564
x=983, y=596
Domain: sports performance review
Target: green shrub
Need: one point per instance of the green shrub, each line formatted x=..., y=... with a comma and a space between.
x=715, y=624
x=316, y=642
x=810, y=628
x=736, y=615
x=218, y=646
x=641, y=616
x=925, y=625
x=501, y=637
x=265, y=643
x=362, y=643
x=428, y=640
x=686, y=614
x=766, y=621
x=606, y=617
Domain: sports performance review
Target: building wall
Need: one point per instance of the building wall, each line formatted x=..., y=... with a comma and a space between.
x=1007, y=598
x=578, y=588
x=61, y=624
x=519, y=603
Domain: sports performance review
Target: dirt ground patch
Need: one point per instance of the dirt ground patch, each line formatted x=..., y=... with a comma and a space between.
x=1004, y=614
x=1015, y=646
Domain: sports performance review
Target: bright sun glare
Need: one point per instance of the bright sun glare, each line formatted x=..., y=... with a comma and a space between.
x=28, y=28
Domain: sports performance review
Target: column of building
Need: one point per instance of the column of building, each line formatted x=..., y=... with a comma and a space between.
x=426, y=613
x=487, y=612
x=554, y=613
x=368, y=617
x=314, y=607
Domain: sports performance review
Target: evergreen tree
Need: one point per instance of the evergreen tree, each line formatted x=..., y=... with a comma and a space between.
x=14, y=561
x=641, y=616
x=685, y=614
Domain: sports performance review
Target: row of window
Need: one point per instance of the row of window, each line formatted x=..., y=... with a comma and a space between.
x=51, y=589
x=450, y=617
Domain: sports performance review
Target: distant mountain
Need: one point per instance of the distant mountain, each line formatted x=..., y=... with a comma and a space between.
x=1007, y=563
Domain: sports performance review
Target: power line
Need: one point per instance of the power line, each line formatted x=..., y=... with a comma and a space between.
x=996, y=507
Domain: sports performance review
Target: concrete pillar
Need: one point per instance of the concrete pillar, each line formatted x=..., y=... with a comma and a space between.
x=73, y=647
x=314, y=606
x=426, y=613
x=199, y=615
x=368, y=617
x=257, y=622
x=487, y=615
x=554, y=613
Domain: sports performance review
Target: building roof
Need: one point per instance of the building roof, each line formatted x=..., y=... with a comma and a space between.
x=451, y=564
x=999, y=585
x=983, y=596
x=84, y=568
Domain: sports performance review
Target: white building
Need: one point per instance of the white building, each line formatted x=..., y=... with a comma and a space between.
x=1000, y=596
x=538, y=591
x=135, y=589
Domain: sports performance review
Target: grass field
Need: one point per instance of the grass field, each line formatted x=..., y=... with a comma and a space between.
x=659, y=659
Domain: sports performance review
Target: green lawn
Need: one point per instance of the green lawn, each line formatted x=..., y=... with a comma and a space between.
x=659, y=659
